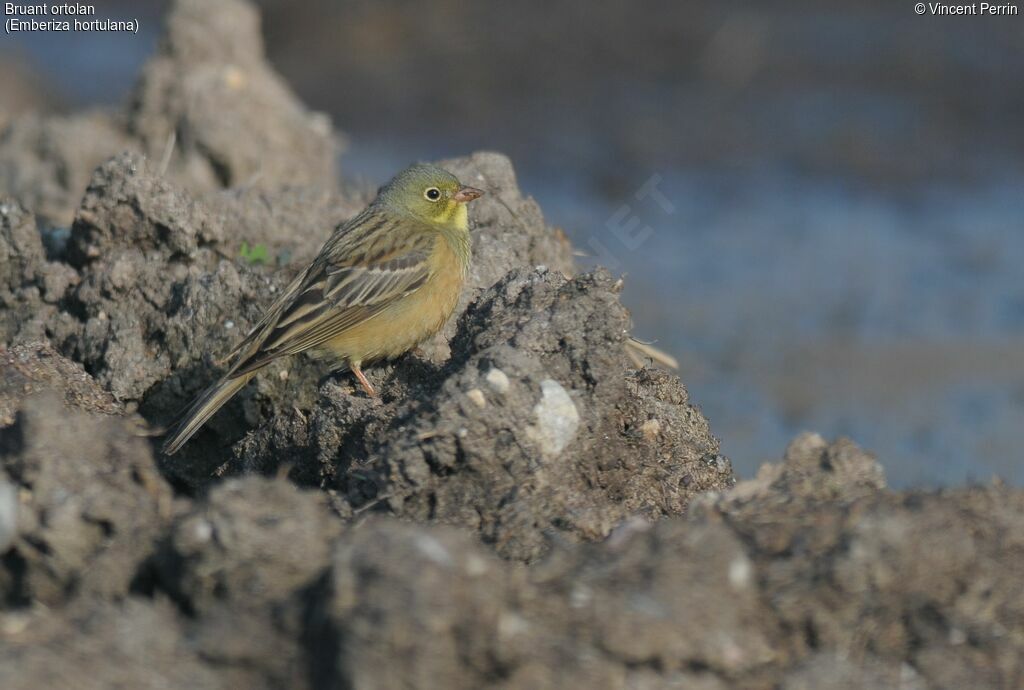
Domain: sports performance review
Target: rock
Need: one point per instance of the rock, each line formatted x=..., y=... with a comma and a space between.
x=404, y=602
x=34, y=367
x=30, y=285
x=555, y=448
x=91, y=504
x=251, y=541
x=155, y=293
x=209, y=102
x=46, y=162
x=534, y=460
x=246, y=556
x=8, y=514
x=497, y=380
x=101, y=645
x=555, y=419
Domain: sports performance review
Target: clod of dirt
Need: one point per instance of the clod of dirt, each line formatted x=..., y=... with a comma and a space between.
x=210, y=105
x=30, y=286
x=128, y=207
x=452, y=623
x=208, y=110
x=137, y=644
x=250, y=541
x=539, y=425
x=917, y=586
x=155, y=294
x=812, y=472
x=406, y=602
x=34, y=367
x=914, y=590
x=45, y=162
x=91, y=503
x=536, y=425
x=248, y=556
x=925, y=580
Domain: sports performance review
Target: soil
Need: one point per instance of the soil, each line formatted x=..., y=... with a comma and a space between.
x=522, y=507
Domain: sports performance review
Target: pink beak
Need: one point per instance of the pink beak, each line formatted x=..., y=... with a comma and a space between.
x=467, y=194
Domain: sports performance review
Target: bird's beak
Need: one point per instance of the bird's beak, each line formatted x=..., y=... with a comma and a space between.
x=467, y=194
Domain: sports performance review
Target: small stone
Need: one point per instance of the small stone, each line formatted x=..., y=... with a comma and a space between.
x=8, y=514
x=201, y=531
x=739, y=572
x=13, y=624
x=477, y=396
x=434, y=550
x=650, y=429
x=557, y=418
x=234, y=78
x=476, y=566
x=497, y=380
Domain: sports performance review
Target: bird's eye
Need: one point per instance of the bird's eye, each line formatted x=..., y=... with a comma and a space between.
x=432, y=194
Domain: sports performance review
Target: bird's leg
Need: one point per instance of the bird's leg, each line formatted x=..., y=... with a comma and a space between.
x=354, y=366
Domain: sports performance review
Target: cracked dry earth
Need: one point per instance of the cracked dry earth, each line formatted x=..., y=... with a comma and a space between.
x=523, y=506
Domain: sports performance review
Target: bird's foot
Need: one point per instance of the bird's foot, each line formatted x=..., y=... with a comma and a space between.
x=363, y=382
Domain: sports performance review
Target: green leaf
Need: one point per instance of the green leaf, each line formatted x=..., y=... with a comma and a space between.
x=256, y=254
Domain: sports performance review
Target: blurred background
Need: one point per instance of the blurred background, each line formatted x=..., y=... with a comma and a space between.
x=820, y=211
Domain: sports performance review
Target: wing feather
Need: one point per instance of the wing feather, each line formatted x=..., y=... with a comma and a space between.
x=345, y=286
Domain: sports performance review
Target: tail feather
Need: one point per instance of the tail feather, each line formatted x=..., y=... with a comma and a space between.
x=204, y=407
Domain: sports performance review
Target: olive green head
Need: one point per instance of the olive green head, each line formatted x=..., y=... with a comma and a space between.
x=430, y=194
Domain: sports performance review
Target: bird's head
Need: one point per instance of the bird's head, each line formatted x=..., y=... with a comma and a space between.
x=430, y=194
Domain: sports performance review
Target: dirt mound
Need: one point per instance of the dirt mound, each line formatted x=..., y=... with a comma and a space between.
x=522, y=507
x=34, y=367
x=45, y=162
x=30, y=285
x=210, y=105
x=208, y=110
x=869, y=587
x=90, y=503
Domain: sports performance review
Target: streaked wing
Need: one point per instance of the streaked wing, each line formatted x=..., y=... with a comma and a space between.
x=349, y=282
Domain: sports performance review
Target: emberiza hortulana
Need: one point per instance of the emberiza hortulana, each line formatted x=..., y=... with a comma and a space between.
x=382, y=283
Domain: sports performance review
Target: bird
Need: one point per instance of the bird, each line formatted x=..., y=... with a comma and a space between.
x=382, y=283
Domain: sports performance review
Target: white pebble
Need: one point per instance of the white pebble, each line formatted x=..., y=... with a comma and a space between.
x=202, y=531
x=8, y=514
x=434, y=550
x=739, y=572
x=557, y=418
x=497, y=380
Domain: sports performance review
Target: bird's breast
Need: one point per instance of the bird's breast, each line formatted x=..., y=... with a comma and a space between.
x=411, y=319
